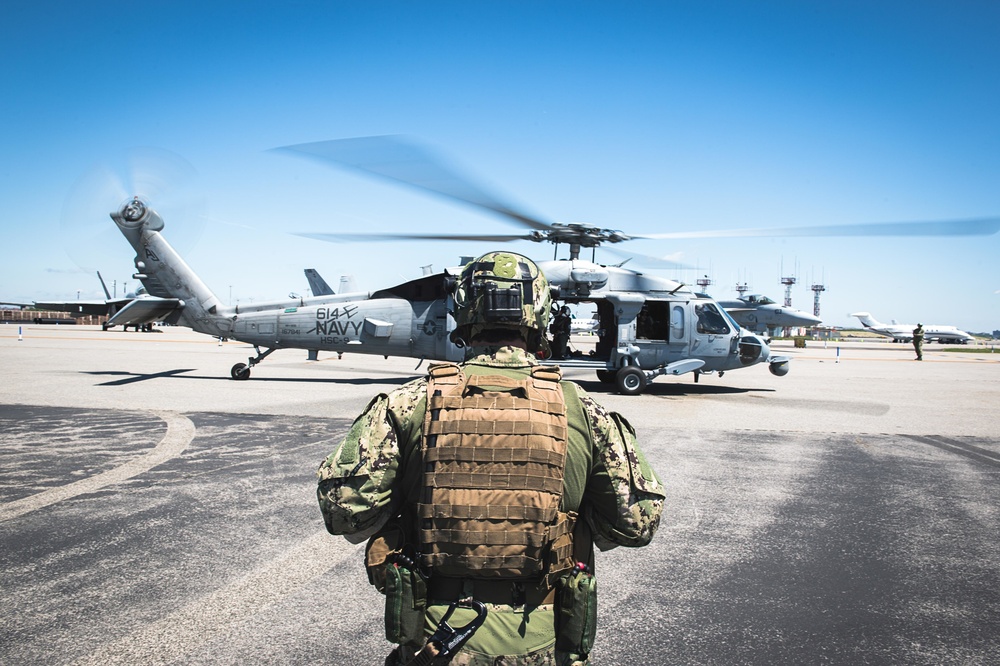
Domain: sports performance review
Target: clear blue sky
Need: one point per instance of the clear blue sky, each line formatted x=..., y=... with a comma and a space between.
x=640, y=116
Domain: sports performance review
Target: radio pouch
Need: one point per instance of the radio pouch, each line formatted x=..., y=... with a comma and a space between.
x=405, y=603
x=576, y=618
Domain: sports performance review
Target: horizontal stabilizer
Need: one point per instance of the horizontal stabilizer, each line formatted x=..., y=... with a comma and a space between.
x=145, y=310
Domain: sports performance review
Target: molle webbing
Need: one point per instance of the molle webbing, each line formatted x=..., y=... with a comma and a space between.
x=494, y=459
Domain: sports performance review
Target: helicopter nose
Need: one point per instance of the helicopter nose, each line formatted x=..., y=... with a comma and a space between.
x=753, y=348
x=765, y=349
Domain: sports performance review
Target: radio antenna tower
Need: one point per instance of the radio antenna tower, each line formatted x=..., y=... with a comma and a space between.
x=703, y=283
x=742, y=288
x=788, y=282
x=817, y=290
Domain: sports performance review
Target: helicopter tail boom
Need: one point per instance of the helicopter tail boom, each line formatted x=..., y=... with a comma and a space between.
x=166, y=275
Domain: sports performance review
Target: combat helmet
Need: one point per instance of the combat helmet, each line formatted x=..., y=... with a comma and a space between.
x=502, y=290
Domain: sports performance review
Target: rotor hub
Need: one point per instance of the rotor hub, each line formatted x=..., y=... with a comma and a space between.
x=133, y=210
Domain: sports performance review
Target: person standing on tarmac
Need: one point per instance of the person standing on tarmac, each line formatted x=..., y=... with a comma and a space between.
x=483, y=488
x=562, y=326
x=918, y=341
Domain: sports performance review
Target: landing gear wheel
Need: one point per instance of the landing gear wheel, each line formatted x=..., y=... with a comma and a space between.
x=240, y=371
x=605, y=376
x=630, y=380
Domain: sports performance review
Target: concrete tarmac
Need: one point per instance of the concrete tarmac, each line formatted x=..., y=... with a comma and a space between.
x=154, y=511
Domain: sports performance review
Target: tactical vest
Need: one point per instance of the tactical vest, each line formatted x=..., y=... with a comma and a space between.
x=494, y=454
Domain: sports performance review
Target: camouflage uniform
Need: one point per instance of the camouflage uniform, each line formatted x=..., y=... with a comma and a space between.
x=607, y=480
x=562, y=327
x=918, y=341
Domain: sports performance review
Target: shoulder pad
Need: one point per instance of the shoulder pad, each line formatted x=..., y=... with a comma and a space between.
x=438, y=370
x=552, y=373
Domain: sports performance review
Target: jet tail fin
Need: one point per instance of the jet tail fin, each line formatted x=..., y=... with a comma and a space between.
x=867, y=320
x=317, y=285
x=347, y=285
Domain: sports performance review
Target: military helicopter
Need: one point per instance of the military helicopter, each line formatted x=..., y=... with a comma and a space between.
x=648, y=326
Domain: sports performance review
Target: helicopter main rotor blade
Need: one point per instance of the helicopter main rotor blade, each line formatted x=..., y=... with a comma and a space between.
x=363, y=238
x=644, y=260
x=394, y=158
x=973, y=227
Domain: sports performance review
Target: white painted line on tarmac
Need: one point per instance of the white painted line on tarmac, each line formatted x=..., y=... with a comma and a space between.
x=180, y=432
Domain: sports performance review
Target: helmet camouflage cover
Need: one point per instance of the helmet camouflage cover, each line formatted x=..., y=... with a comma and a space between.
x=502, y=290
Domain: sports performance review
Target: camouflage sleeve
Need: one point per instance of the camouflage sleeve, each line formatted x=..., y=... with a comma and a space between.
x=357, y=480
x=624, y=493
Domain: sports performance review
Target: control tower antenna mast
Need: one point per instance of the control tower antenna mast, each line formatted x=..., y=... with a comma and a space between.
x=788, y=282
x=817, y=290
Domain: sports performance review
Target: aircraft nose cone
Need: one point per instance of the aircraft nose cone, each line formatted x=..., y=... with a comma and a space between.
x=806, y=319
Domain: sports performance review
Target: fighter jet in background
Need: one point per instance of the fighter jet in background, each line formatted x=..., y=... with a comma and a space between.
x=759, y=313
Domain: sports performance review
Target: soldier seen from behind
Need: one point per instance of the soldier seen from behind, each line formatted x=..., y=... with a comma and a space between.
x=483, y=488
x=561, y=327
x=918, y=341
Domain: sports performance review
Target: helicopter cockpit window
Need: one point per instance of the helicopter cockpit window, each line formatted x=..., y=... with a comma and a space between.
x=710, y=320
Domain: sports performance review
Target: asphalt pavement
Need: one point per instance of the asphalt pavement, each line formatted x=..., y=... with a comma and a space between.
x=154, y=511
